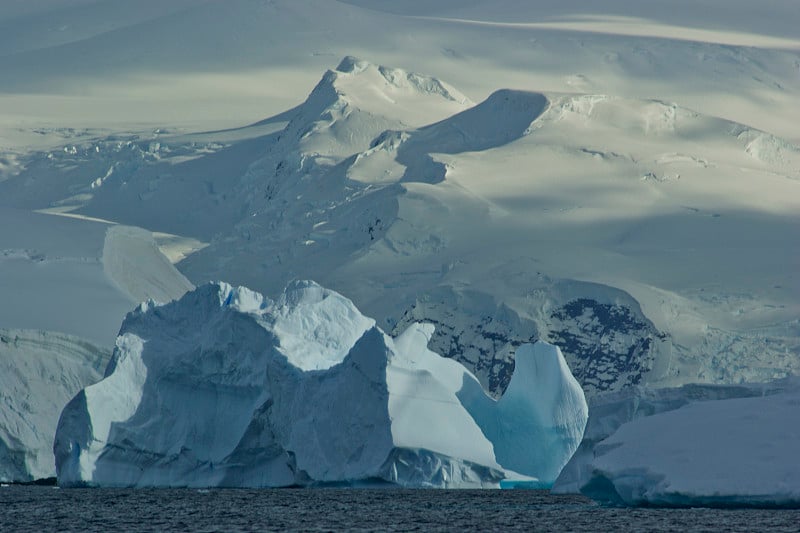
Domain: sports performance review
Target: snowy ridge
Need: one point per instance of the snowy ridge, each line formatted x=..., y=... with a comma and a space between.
x=39, y=372
x=245, y=44
x=227, y=388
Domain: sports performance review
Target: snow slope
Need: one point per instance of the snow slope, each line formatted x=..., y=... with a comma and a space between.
x=227, y=388
x=103, y=63
x=78, y=277
x=725, y=452
x=39, y=372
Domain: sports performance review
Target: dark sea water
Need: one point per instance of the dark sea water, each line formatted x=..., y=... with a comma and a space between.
x=24, y=508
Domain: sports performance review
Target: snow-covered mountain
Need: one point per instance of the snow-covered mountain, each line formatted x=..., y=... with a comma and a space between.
x=626, y=231
x=104, y=63
x=226, y=388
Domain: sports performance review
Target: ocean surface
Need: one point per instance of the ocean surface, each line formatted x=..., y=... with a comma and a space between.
x=28, y=508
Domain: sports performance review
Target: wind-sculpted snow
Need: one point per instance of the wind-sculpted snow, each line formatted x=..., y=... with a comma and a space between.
x=227, y=388
x=502, y=118
x=694, y=445
x=39, y=372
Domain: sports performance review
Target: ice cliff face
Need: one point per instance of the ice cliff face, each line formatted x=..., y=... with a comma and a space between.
x=227, y=388
x=694, y=445
x=39, y=372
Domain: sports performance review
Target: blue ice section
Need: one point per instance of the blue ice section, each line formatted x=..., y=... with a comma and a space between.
x=538, y=423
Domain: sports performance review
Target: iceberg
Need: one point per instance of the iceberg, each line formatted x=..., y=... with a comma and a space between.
x=225, y=387
x=692, y=446
x=39, y=372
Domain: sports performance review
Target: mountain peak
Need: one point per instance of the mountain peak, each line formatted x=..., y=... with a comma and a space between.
x=358, y=100
x=392, y=81
x=352, y=64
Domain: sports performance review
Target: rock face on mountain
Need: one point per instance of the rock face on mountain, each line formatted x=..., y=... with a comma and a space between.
x=227, y=388
x=609, y=345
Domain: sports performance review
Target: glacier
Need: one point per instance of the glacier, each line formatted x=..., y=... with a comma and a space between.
x=697, y=445
x=225, y=387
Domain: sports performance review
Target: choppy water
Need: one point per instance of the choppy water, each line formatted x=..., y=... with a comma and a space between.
x=53, y=509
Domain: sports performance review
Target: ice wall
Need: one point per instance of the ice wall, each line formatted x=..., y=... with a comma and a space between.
x=227, y=388
x=694, y=445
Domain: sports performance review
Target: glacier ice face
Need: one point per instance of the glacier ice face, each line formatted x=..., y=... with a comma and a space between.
x=39, y=372
x=609, y=411
x=227, y=388
x=695, y=445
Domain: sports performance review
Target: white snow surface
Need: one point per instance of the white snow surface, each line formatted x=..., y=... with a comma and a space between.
x=39, y=372
x=78, y=277
x=725, y=452
x=227, y=388
x=157, y=63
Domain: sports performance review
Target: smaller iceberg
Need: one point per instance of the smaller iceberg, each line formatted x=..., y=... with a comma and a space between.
x=724, y=451
x=39, y=372
x=225, y=387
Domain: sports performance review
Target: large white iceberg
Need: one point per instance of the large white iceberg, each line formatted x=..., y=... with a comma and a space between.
x=697, y=445
x=227, y=388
